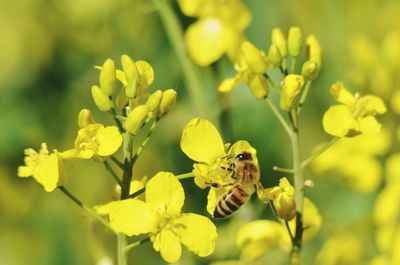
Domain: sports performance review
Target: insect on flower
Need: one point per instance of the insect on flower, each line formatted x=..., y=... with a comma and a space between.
x=245, y=175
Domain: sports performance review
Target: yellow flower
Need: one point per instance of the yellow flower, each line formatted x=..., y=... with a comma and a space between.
x=251, y=66
x=282, y=197
x=354, y=160
x=354, y=115
x=135, y=78
x=311, y=220
x=218, y=30
x=341, y=249
x=95, y=141
x=256, y=238
x=46, y=168
x=160, y=216
x=202, y=143
x=292, y=85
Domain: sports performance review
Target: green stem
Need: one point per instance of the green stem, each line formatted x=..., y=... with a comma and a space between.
x=117, y=162
x=146, y=139
x=281, y=169
x=113, y=174
x=175, y=35
x=307, y=161
x=292, y=65
x=136, y=244
x=299, y=192
x=117, y=121
x=303, y=97
x=277, y=113
x=121, y=243
x=87, y=209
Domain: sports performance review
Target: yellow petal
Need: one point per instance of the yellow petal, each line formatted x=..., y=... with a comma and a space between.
x=338, y=121
x=24, y=171
x=146, y=74
x=386, y=209
x=190, y=7
x=109, y=140
x=201, y=141
x=392, y=168
x=214, y=196
x=164, y=194
x=368, y=124
x=373, y=104
x=170, y=247
x=257, y=237
x=133, y=217
x=197, y=233
x=229, y=84
x=341, y=94
x=207, y=40
x=105, y=209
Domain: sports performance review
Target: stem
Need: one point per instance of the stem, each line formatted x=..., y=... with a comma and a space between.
x=299, y=192
x=292, y=65
x=122, y=257
x=142, y=146
x=117, y=162
x=117, y=121
x=279, y=116
x=181, y=176
x=281, y=169
x=136, y=244
x=87, y=209
x=303, y=97
x=307, y=161
x=113, y=174
x=175, y=35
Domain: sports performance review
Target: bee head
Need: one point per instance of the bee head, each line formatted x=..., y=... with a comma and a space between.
x=244, y=156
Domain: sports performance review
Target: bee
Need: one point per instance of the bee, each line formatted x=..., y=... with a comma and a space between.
x=246, y=175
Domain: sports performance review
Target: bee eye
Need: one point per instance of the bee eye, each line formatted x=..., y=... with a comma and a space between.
x=240, y=157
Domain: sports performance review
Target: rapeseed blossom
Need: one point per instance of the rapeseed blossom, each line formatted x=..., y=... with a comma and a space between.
x=282, y=197
x=218, y=30
x=202, y=143
x=161, y=218
x=354, y=115
x=46, y=168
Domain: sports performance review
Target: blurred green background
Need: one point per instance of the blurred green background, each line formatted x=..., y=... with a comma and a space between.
x=48, y=50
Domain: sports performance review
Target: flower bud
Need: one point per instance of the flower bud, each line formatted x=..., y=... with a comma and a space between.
x=85, y=118
x=282, y=197
x=310, y=70
x=279, y=40
x=122, y=100
x=292, y=85
x=131, y=75
x=101, y=99
x=314, y=50
x=295, y=41
x=275, y=55
x=107, y=77
x=154, y=100
x=254, y=58
x=168, y=101
x=258, y=85
x=136, y=118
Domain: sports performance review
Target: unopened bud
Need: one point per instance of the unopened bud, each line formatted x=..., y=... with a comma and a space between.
x=295, y=41
x=291, y=89
x=101, y=98
x=279, y=40
x=310, y=70
x=107, y=77
x=136, y=118
x=122, y=100
x=168, y=101
x=254, y=58
x=131, y=75
x=258, y=85
x=308, y=183
x=154, y=100
x=85, y=118
x=275, y=55
x=314, y=51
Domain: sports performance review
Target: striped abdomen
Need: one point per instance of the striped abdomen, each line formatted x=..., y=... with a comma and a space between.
x=230, y=202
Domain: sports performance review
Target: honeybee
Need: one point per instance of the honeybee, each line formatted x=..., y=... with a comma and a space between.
x=245, y=175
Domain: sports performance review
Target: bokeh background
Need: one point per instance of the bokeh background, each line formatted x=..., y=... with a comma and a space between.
x=48, y=50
